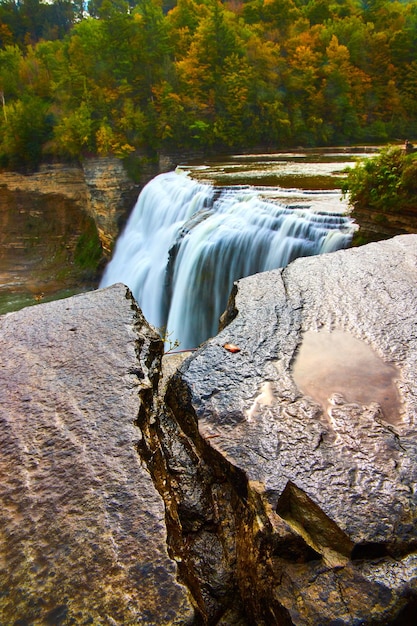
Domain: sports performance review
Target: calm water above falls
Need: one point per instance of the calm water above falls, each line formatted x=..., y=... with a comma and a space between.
x=187, y=241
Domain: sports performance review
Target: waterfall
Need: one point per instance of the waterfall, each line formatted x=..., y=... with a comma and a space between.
x=187, y=242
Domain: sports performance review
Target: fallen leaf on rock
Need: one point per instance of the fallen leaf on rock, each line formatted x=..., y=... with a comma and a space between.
x=231, y=347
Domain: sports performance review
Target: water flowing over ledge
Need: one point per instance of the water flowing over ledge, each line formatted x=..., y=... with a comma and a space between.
x=187, y=242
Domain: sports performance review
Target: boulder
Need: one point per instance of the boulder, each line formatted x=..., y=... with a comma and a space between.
x=83, y=534
x=268, y=477
x=305, y=403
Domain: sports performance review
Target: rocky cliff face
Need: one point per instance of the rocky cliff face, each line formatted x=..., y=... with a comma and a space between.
x=58, y=226
x=267, y=478
x=110, y=197
x=100, y=187
x=374, y=226
x=48, y=241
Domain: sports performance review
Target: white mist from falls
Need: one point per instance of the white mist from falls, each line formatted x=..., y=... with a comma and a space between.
x=185, y=244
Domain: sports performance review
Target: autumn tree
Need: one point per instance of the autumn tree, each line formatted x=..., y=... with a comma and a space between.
x=27, y=125
x=137, y=75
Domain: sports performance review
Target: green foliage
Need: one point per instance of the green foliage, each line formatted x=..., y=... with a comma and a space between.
x=74, y=133
x=88, y=253
x=139, y=75
x=29, y=21
x=25, y=128
x=170, y=344
x=11, y=58
x=385, y=183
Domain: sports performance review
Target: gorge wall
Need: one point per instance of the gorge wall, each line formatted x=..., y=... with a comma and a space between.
x=100, y=187
x=242, y=483
x=374, y=226
x=58, y=227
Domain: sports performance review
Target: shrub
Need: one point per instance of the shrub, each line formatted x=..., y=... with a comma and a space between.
x=385, y=183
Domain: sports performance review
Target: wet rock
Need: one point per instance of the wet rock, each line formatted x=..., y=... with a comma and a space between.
x=249, y=479
x=326, y=532
x=83, y=534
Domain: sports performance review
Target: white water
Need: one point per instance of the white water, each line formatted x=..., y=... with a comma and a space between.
x=187, y=242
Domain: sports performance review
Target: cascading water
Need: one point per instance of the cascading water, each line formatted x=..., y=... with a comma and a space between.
x=187, y=242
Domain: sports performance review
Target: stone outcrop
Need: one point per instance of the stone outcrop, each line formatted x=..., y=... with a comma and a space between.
x=374, y=226
x=55, y=179
x=100, y=186
x=83, y=538
x=110, y=196
x=283, y=450
x=325, y=492
x=57, y=227
x=42, y=221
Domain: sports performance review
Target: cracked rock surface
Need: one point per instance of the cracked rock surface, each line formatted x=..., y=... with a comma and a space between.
x=330, y=499
x=82, y=530
x=267, y=478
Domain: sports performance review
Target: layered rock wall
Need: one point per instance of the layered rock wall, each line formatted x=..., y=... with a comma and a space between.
x=48, y=241
x=375, y=226
x=110, y=196
x=100, y=187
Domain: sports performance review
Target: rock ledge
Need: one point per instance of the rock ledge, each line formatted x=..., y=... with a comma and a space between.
x=243, y=486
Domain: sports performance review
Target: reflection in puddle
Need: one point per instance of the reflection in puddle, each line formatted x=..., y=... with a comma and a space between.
x=265, y=398
x=336, y=362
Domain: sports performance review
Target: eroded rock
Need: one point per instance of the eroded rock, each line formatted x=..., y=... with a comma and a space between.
x=110, y=196
x=100, y=188
x=83, y=535
x=328, y=527
x=274, y=507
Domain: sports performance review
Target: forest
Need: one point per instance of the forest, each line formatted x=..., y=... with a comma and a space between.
x=111, y=77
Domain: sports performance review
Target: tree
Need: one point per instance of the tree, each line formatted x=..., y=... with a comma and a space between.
x=274, y=15
x=183, y=21
x=154, y=42
x=344, y=87
x=107, y=9
x=29, y=21
x=11, y=59
x=303, y=83
x=26, y=127
x=204, y=76
x=74, y=134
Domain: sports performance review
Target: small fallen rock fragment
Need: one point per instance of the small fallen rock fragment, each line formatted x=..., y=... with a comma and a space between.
x=230, y=347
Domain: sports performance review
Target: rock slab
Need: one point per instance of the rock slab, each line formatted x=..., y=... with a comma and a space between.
x=339, y=477
x=83, y=537
x=276, y=480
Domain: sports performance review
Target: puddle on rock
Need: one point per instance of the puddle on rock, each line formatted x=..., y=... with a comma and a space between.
x=337, y=362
